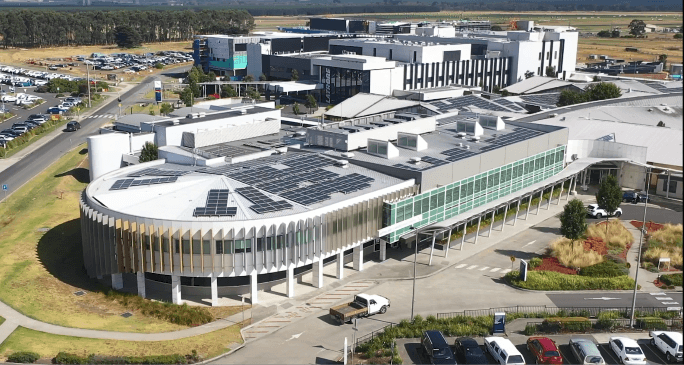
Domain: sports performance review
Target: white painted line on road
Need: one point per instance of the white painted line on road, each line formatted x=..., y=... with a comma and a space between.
x=669, y=303
x=664, y=298
x=529, y=243
x=505, y=271
x=471, y=267
x=461, y=266
x=657, y=293
x=484, y=268
x=495, y=269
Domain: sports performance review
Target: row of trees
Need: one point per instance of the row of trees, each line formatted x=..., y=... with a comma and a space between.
x=600, y=91
x=45, y=28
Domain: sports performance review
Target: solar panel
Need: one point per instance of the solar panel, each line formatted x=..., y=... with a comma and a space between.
x=320, y=192
x=158, y=172
x=518, y=135
x=456, y=154
x=262, y=203
x=463, y=103
x=127, y=183
x=216, y=205
x=433, y=161
x=548, y=99
x=510, y=105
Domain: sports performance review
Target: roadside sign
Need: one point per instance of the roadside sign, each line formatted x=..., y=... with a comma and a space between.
x=523, y=270
x=4, y=187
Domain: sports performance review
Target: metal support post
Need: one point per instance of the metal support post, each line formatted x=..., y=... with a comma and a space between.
x=477, y=232
x=465, y=226
x=491, y=225
x=432, y=248
x=529, y=204
x=541, y=197
x=517, y=211
x=550, y=197
x=504, y=218
x=448, y=245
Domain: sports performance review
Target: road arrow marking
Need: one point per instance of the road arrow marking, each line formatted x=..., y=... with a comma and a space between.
x=603, y=298
x=294, y=337
x=530, y=243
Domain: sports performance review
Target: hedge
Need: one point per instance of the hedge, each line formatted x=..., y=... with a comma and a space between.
x=672, y=279
x=46, y=127
x=67, y=358
x=549, y=280
x=24, y=357
x=606, y=269
x=568, y=324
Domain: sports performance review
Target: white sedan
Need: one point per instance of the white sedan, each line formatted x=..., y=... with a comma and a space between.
x=627, y=351
x=595, y=211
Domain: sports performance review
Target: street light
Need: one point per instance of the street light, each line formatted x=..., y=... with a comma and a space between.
x=641, y=239
x=415, y=257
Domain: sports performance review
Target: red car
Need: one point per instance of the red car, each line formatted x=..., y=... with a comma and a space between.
x=544, y=350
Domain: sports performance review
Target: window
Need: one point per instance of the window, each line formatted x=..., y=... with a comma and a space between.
x=196, y=247
x=548, y=55
x=672, y=187
x=219, y=247
x=426, y=204
x=176, y=246
x=434, y=202
x=146, y=239
x=539, y=56
x=239, y=246
x=390, y=55
x=407, y=141
x=417, y=206
x=382, y=149
x=555, y=55
x=186, y=247
x=165, y=245
x=372, y=148
x=241, y=47
x=538, y=70
x=415, y=56
x=455, y=194
x=206, y=247
x=375, y=52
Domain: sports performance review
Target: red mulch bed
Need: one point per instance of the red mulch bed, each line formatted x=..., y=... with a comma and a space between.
x=650, y=226
x=551, y=264
x=596, y=244
x=623, y=255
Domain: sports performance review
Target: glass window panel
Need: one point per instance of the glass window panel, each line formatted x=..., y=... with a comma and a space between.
x=399, y=214
x=176, y=245
x=417, y=206
x=403, y=141
x=186, y=246
x=426, y=204
x=281, y=239
x=146, y=239
x=165, y=244
x=455, y=194
x=470, y=189
x=239, y=246
x=447, y=198
x=440, y=199
x=408, y=211
x=373, y=147
x=219, y=247
x=495, y=181
x=382, y=149
x=412, y=142
x=433, y=202
x=196, y=247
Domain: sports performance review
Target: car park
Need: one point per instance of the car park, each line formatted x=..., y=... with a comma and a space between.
x=669, y=343
x=73, y=126
x=597, y=212
x=503, y=351
x=469, y=352
x=436, y=348
x=627, y=351
x=544, y=350
x=586, y=352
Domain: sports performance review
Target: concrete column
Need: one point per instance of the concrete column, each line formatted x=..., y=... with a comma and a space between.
x=667, y=187
x=117, y=281
x=176, y=290
x=340, y=265
x=317, y=271
x=357, y=257
x=560, y=194
x=465, y=227
x=541, y=197
x=289, y=281
x=517, y=211
x=141, y=283
x=504, y=218
x=432, y=248
x=253, y=287
x=529, y=204
x=214, y=290
x=567, y=196
x=448, y=245
x=574, y=187
x=491, y=225
x=477, y=232
x=550, y=197
x=383, y=250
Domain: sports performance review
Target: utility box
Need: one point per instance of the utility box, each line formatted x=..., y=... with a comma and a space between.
x=499, y=323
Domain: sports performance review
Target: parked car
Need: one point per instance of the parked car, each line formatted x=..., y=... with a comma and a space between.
x=503, y=351
x=55, y=110
x=8, y=98
x=634, y=197
x=544, y=350
x=627, y=350
x=363, y=305
x=669, y=343
x=436, y=348
x=586, y=352
x=469, y=352
x=73, y=126
x=595, y=211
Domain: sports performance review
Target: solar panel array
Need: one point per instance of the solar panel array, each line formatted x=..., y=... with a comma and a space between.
x=455, y=118
x=406, y=167
x=518, y=135
x=433, y=161
x=262, y=203
x=216, y=205
x=322, y=191
x=549, y=99
x=510, y=105
x=127, y=183
x=158, y=172
x=662, y=87
x=464, y=102
x=456, y=154
x=227, y=150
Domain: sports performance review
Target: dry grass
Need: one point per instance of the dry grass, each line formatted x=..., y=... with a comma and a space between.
x=666, y=242
x=649, y=48
x=617, y=235
x=574, y=255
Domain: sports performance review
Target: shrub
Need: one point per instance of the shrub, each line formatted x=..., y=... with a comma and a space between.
x=605, y=324
x=67, y=358
x=574, y=255
x=178, y=314
x=530, y=330
x=665, y=242
x=606, y=269
x=60, y=95
x=672, y=279
x=535, y=261
x=651, y=323
x=549, y=280
x=572, y=324
x=24, y=357
x=617, y=236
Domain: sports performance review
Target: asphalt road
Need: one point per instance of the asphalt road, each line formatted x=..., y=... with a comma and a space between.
x=653, y=213
x=617, y=300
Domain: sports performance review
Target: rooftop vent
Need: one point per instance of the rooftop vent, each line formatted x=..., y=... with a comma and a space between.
x=342, y=163
x=300, y=133
x=243, y=111
x=347, y=154
x=475, y=139
x=467, y=147
x=461, y=134
x=415, y=160
x=202, y=114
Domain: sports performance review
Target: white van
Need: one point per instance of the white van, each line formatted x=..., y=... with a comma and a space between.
x=504, y=351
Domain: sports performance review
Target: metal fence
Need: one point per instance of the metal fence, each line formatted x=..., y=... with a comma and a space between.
x=612, y=325
x=370, y=336
x=590, y=312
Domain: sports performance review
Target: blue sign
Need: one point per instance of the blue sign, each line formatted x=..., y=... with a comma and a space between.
x=158, y=96
x=4, y=187
x=499, y=323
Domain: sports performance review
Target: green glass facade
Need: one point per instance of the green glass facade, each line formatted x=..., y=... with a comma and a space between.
x=461, y=196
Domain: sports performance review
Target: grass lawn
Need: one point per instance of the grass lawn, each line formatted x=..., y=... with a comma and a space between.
x=41, y=260
x=48, y=345
x=168, y=94
x=2, y=320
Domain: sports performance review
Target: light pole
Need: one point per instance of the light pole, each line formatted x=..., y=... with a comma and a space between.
x=88, y=83
x=415, y=257
x=641, y=238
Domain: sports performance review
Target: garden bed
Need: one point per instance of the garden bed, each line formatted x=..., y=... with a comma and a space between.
x=549, y=280
x=550, y=263
x=650, y=226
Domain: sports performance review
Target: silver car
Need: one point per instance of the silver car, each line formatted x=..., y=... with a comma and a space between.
x=586, y=352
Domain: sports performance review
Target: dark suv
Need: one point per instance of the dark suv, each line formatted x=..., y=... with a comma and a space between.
x=436, y=348
x=634, y=197
x=73, y=126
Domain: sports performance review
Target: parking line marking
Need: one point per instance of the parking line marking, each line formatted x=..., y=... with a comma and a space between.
x=484, y=268
x=529, y=243
x=471, y=267
x=461, y=266
x=495, y=269
x=664, y=298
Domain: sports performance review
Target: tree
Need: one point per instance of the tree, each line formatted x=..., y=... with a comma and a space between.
x=211, y=76
x=127, y=37
x=252, y=93
x=551, y=71
x=529, y=74
x=663, y=59
x=602, y=91
x=295, y=108
x=678, y=36
x=505, y=92
x=570, y=97
x=609, y=196
x=165, y=108
x=604, y=34
x=248, y=78
x=159, y=66
x=496, y=28
x=311, y=102
x=661, y=124
x=573, y=221
x=263, y=77
x=637, y=27
x=150, y=152
x=186, y=96
x=295, y=75
x=615, y=33
x=227, y=91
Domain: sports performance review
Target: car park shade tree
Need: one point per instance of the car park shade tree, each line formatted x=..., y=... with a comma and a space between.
x=573, y=221
x=127, y=37
x=609, y=195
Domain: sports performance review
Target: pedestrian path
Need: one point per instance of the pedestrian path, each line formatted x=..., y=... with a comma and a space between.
x=483, y=269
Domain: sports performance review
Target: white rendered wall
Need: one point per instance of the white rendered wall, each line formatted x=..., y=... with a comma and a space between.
x=105, y=151
x=593, y=148
x=254, y=61
x=207, y=137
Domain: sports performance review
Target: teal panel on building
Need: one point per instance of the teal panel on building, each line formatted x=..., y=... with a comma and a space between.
x=236, y=63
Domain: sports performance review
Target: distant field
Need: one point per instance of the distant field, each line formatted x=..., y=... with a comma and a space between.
x=649, y=48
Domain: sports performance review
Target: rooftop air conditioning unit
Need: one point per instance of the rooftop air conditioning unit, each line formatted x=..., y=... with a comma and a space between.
x=475, y=139
x=342, y=163
x=467, y=147
x=243, y=111
x=300, y=133
x=461, y=134
x=347, y=154
x=415, y=160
